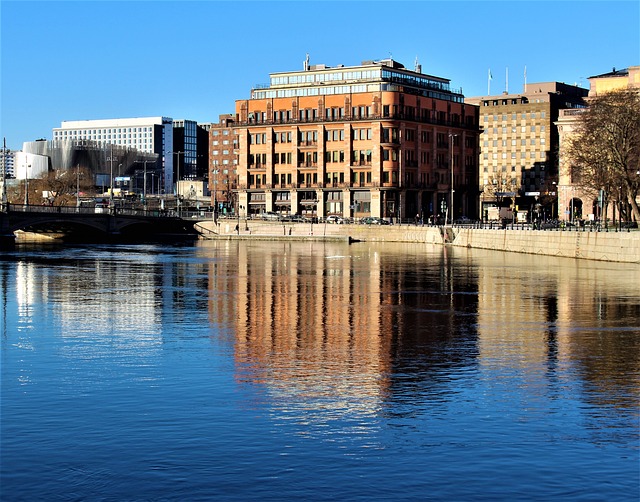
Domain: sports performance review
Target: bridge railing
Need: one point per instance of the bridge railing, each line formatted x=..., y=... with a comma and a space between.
x=118, y=211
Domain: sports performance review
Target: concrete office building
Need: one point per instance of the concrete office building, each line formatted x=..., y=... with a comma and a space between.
x=376, y=139
x=518, y=146
x=152, y=135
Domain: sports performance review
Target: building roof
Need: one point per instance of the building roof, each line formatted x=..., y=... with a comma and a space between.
x=624, y=72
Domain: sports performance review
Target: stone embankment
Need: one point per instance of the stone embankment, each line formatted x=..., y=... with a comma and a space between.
x=611, y=246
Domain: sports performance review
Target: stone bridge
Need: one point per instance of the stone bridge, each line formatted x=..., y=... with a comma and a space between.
x=83, y=224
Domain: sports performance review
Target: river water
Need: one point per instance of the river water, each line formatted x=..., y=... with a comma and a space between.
x=317, y=371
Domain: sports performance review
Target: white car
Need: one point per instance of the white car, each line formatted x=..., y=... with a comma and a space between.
x=334, y=219
x=270, y=215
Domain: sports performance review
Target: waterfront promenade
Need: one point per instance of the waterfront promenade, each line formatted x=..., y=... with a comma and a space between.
x=614, y=246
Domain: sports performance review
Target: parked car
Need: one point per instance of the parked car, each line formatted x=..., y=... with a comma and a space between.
x=270, y=215
x=334, y=219
x=463, y=220
x=373, y=220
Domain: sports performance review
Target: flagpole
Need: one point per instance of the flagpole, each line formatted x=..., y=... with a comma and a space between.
x=506, y=85
x=525, y=78
x=489, y=83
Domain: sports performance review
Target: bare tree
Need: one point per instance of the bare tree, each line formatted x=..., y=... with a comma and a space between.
x=604, y=151
x=63, y=186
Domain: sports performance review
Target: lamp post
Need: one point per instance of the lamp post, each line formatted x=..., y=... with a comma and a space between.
x=26, y=186
x=215, y=195
x=78, y=187
x=451, y=136
x=178, y=180
x=144, y=181
x=4, y=200
x=110, y=159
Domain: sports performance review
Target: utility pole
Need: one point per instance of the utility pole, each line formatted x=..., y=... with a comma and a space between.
x=78, y=187
x=451, y=136
x=4, y=203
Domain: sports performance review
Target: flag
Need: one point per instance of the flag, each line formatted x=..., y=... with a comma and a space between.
x=490, y=76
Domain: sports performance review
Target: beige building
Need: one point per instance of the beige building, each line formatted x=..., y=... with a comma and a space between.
x=573, y=203
x=518, y=145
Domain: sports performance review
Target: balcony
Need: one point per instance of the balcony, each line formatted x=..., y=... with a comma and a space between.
x=349, y=118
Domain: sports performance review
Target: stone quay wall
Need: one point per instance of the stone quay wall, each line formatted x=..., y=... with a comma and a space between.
x=613, y=246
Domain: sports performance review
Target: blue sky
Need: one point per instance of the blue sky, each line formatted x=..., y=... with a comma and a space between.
x=96, y=60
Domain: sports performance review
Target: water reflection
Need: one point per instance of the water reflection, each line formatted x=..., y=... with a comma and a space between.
x=360, y=329
x=332, y=332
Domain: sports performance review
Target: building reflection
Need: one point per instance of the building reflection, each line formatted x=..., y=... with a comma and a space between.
x=552, y=315
x=357, y=328
x=333, y=326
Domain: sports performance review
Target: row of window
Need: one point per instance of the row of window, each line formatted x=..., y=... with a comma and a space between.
x=514, y=130
x=356, y=177
x=308, y=91
x=338, y=113
x=114, y=130
x=514, y=116
x=514, y=142
x=358, y=157
x=513, y=155
x=310, y=137
x=325, y=77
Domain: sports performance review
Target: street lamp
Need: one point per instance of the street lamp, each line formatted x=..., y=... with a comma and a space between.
x=215, y=195
x=78, y=187
x=110, y=159
x=178, y=180
x=144, y=181
x=26, y=186
x=451, y=136
x=4, y=201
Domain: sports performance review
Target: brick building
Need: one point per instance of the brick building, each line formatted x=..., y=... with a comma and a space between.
x=369, y=140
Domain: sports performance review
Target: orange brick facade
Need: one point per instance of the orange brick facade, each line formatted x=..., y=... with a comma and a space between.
x=386, y=153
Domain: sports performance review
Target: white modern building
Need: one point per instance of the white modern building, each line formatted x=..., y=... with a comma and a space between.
x=7, y=163
x=146, y=134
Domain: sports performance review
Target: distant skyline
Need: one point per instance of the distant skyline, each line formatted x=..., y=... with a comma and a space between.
x=192, y=60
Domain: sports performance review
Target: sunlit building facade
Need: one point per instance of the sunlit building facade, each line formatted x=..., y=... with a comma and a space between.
x=223, y=164
x=575, y=203
x=371, y=140
x=519, y=145
x=153, y=135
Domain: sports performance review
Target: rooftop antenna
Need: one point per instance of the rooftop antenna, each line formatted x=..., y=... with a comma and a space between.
x=417, y=67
